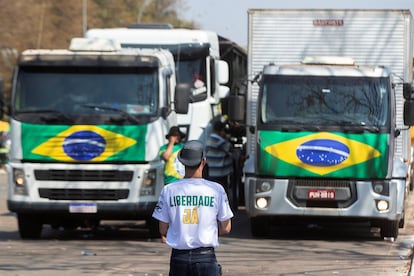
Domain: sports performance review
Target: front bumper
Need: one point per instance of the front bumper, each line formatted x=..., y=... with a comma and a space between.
x=360, y=205
x=107, y=211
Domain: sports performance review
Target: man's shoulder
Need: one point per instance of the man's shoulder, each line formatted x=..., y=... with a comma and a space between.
x=215, y=140
x=213, y=184
x=215, y=136
x=179, y=145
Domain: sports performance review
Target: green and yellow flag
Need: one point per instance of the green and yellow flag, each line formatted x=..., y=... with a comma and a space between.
x=83, y=143
x=338, y=155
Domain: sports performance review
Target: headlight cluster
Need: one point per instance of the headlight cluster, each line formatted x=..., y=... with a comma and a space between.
x=381, y=187
x=264, y=186
x=19, y=182
x=148, y=183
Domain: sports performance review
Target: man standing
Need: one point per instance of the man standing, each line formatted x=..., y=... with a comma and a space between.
x=173, y=169
x=219, y=156
x=192, y=212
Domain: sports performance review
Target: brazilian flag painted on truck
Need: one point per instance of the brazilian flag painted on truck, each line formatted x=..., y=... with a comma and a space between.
x=323, y=154
x=83, y=143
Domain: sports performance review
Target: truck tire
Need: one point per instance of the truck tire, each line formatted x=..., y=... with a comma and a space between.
x=401, y=222
x=389, y=229
x=233, y=194
x=30, y=226
x=259, y=226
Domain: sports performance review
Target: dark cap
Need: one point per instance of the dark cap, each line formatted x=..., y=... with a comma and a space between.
x=175, y=131
x=192, y=153
x=219, y=123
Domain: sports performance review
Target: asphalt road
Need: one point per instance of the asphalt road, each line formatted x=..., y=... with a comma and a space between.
x=123, y=248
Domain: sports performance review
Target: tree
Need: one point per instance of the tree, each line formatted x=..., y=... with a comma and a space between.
x=52, y=23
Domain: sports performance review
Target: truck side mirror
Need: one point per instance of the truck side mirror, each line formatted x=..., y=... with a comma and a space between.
x=409, y=112
x=182, y=97
x=236, y=108
x=407, y=90
x=222, y=72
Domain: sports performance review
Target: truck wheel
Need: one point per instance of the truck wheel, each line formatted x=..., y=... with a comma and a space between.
x=401, y=222
x=259, y=226
x=29, y=226
x=389, y=229
x=233, y=194
x=153, y=227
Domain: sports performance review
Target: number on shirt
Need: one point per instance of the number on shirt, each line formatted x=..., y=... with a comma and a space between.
x=190, y=216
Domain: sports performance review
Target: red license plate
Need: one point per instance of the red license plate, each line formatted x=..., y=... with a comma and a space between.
x=321, y=194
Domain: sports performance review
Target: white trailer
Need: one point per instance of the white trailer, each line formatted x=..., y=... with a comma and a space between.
x=327, y=113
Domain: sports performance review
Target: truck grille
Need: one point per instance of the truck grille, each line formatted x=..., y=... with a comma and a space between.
x=312, y=183
x=83, y=194
x=345, y=191
x=84, y=175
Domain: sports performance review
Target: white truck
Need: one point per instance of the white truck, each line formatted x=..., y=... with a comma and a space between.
x=325, y=112
x=197, y=60
x=215, y=69
x=86, y=124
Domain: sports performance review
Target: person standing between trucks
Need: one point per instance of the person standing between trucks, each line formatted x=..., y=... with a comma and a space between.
x=173, y=169
x=218, y=155
x=192, y=212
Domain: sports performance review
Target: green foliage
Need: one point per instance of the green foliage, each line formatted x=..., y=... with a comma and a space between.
x=116, y=13
x=28, y=24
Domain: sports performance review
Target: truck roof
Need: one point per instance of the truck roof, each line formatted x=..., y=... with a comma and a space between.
x=327, y=70
x=164, y=36
x=88, y=56
x=122, y=52
x=160, y=36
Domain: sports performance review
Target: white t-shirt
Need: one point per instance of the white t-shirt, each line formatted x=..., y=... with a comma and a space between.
x=192, y=207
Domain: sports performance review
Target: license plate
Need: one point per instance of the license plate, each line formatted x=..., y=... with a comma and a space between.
x=83, y=208
x=321, y=194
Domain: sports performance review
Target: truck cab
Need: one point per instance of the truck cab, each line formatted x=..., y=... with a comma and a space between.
x=197, y=63
x=86, y=124
x=328, y=126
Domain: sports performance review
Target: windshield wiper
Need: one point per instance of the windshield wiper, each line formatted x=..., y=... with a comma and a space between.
x=52, y=115
x=292, y=121
x=110, y=108
x=373, y=129
x=301, y=124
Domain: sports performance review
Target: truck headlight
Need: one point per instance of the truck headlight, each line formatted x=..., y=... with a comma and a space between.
x=262, y=202
x=148, y=183
x=382, y=205
x=263, y=186
x=381, y=187
x=19, y=182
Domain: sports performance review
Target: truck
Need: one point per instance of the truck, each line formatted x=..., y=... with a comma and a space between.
x=216, y=69
x=328, y=107
x=197, y=60
x=86, y=124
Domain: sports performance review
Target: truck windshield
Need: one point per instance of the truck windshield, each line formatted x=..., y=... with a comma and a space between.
x=190, y=63
x=87, y=91
x=333, y=101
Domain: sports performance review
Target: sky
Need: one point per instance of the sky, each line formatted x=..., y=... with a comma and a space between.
x=228, y=18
